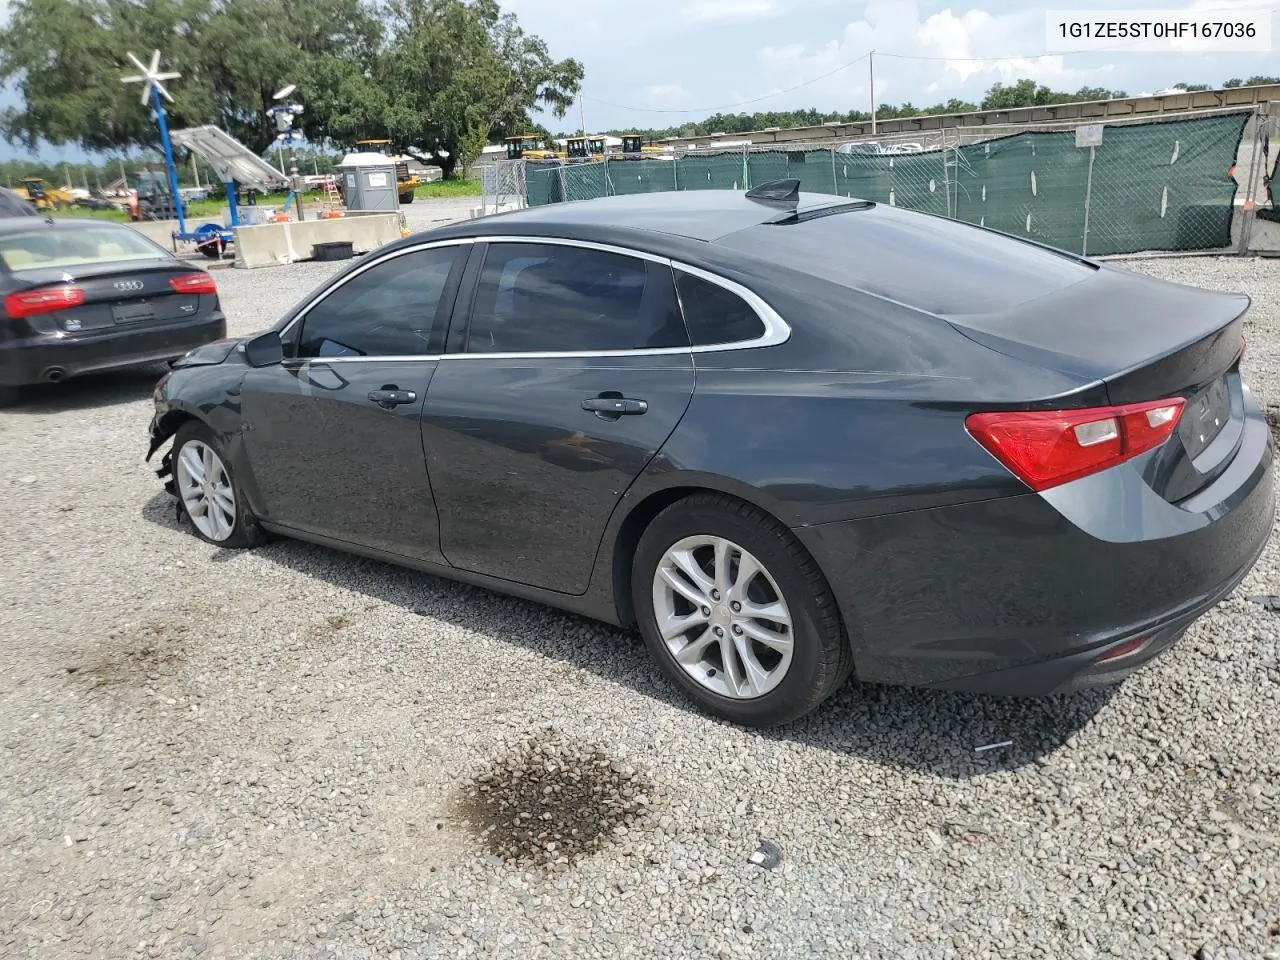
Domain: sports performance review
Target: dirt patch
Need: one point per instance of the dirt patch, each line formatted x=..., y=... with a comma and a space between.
x=1273, y=421
x=135, y=653
x=552, y=800
x=328, y=628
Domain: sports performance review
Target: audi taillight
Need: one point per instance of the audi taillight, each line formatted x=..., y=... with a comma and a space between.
x=27, y=303
x=193, y=283
x=1045, y=448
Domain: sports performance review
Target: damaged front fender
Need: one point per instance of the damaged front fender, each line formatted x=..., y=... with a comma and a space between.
x=163, y=427
x=165, y=473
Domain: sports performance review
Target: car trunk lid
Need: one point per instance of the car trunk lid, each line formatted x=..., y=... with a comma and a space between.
x=1143, y=339
x=134, y=293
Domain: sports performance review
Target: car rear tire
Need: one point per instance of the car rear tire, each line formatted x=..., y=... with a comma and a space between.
x=208, y=492
x=9, y=396
x=736, y=612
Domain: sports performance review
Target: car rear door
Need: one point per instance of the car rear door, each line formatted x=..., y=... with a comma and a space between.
x=569, y=372
x=332, y=434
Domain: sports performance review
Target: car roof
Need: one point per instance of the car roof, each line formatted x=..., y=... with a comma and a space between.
x=706, y=215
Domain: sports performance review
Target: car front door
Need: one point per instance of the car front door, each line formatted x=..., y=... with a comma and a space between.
x=568, y=376
x=332, y=434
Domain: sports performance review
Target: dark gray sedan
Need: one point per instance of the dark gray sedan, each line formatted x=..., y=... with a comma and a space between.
x=790, y=437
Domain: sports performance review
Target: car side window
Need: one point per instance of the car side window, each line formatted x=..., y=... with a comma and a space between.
x=535, y=298
x=388, y=310
x=715, y=315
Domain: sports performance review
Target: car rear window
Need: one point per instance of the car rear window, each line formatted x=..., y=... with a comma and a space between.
x=943, y=266
x=46, y=247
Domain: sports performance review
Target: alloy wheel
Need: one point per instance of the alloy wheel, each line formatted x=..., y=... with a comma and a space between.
x=206, y=490
x=722, y=617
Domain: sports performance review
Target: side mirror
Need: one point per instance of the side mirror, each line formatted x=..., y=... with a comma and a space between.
x=264, y=350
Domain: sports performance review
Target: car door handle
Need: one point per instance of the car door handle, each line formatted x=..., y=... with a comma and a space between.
x=614, y=407
x=390, y=397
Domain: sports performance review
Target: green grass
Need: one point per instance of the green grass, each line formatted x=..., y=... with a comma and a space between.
x=213, y=206
x=448, y=188
x=117, y=215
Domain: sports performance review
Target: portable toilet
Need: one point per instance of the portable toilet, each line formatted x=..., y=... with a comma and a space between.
x=369, y=183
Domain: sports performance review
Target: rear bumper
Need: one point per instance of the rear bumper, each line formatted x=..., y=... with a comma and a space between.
x=1100, y=664
x=29, y=361
x=1013, y=596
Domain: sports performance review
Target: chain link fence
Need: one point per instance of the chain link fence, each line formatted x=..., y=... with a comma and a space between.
x=502, y=186
x=1267, y=149
x=1176, y=183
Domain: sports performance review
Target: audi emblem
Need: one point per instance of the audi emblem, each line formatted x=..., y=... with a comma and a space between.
x=128, y=284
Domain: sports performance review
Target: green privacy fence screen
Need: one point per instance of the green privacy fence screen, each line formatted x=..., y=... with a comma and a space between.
x=1164, y=185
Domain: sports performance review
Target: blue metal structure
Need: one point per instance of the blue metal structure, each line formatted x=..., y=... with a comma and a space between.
x=209, y=238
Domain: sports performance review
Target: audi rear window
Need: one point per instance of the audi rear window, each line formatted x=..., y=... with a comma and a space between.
x=46, y=247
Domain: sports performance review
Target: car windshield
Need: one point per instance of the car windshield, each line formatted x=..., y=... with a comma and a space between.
x=42, y=248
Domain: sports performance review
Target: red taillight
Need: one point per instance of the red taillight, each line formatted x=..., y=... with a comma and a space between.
x=193, y=283
x=26, y=303
x=1132, y=645
x=1045, y=448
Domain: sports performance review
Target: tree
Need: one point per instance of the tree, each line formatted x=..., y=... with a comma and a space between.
x=1085, y=94
x=67, y=58
x=455, y=74
x=1026, y=93
x=1002, y=97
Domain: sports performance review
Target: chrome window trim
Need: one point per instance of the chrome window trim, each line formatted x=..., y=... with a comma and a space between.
x=373, y=262
x=295, y=362
x=776, y=329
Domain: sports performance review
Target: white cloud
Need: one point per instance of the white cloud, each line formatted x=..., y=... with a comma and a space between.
x=667, y=95
x=744, y=55
x=724, y=11
x=972, y=46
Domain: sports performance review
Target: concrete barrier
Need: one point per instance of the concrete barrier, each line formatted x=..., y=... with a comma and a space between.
x=272, y=244
x=1264, y=237
x=490, y=208
x=161, y=231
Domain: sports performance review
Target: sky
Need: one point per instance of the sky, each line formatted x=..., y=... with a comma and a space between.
x=659, y=63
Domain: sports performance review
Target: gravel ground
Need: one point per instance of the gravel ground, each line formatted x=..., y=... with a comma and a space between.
x=294, y=753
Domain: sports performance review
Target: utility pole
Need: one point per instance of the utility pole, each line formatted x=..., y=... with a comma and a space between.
x=582, y=113
x=871, y=67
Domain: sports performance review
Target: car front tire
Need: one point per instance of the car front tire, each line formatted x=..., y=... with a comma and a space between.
x=207, y=490
x=736, y=612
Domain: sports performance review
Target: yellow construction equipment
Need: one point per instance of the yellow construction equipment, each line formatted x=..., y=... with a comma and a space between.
x=528, y=147
x=43, y=197
x=406, y=183
x=585, y=149
x=634, y=148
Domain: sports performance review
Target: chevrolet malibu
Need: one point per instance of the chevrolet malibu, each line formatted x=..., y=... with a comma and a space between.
x=790, y=437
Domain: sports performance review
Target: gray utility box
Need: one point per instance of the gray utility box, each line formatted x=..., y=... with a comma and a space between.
x=369, y=183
